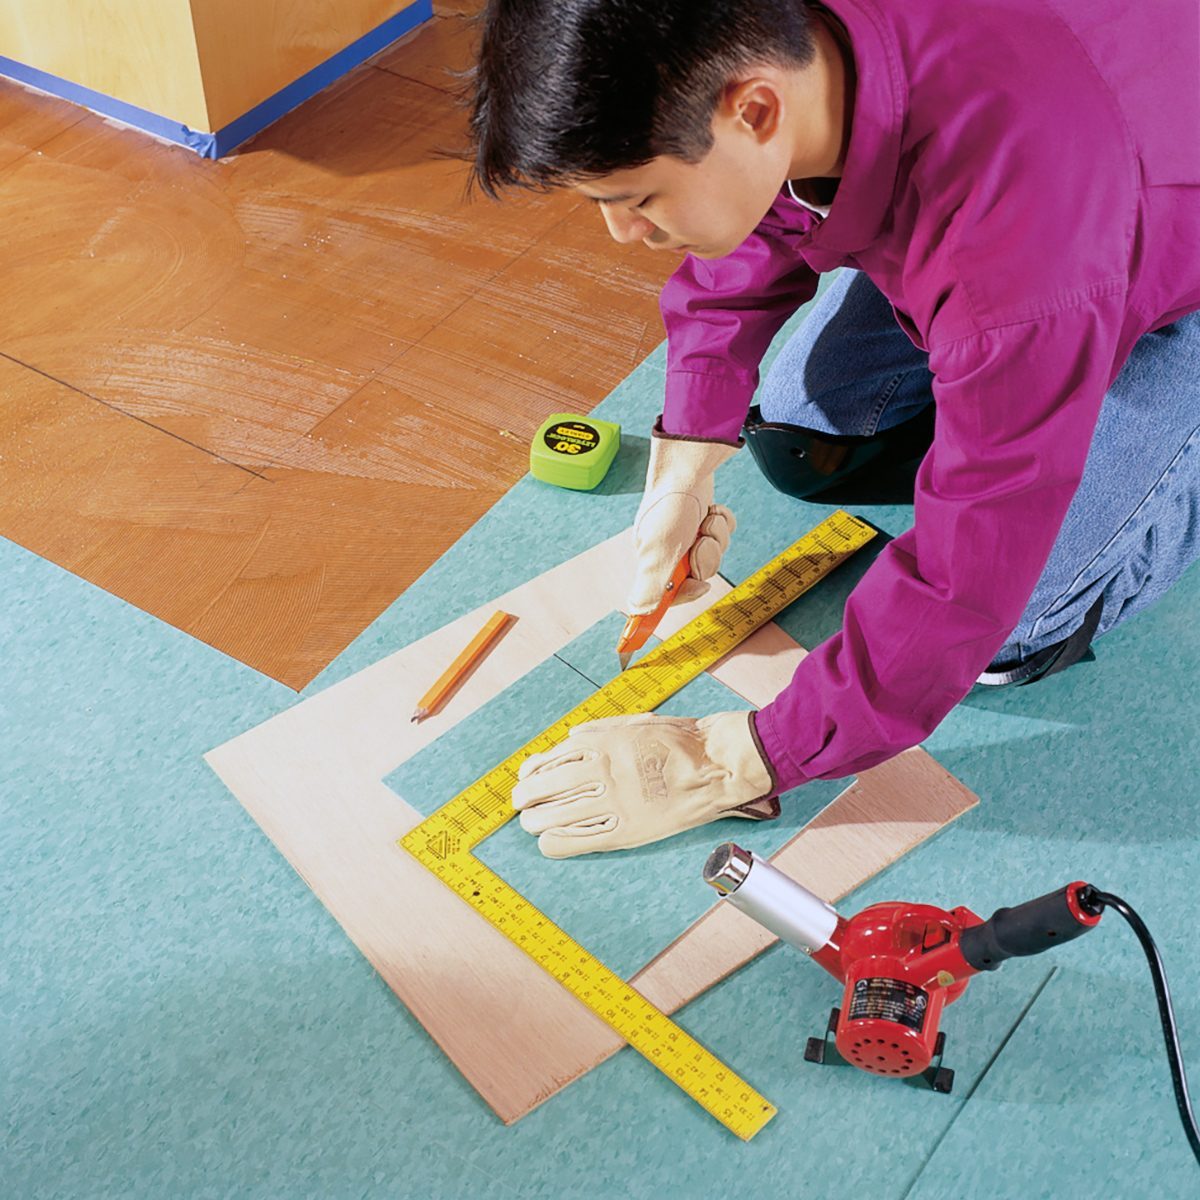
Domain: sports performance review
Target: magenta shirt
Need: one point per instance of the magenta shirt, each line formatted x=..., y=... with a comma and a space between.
x=1023, y=184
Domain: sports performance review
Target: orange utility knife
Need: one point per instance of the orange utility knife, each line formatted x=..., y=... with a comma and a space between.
x=638, y=628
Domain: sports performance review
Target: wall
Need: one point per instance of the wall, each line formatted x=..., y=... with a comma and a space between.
x=139, y=51
x=201, y=63
x=250, y=49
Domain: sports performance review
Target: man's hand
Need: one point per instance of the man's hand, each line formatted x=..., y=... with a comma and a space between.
x=677, y=513
x=626, y=781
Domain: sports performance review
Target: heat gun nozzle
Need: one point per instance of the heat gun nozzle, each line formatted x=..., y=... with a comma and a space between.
x=727, y=867
x=775, y=900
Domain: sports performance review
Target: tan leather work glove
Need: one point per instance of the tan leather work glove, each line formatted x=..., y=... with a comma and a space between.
x=677, y=512
x=625, y=781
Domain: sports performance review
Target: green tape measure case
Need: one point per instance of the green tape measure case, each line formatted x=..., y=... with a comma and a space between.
x=570, y=451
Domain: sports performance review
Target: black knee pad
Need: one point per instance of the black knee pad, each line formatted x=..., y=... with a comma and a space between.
x=1075, y=648
x=836, y=469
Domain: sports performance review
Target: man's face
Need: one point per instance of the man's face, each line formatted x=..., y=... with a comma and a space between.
x=707, y=208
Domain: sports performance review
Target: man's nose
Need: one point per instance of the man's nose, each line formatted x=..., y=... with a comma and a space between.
x=625, y=225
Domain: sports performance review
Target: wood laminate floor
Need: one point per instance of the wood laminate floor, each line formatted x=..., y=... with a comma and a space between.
x=258, y=397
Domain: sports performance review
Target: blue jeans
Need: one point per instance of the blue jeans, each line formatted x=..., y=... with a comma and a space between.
x=1134, y=525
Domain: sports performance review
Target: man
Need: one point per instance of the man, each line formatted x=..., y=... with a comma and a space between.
x=1014, y=191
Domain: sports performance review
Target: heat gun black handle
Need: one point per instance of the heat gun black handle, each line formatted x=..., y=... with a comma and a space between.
x=1029, y=928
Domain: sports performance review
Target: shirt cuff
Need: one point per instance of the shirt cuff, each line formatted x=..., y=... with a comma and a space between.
x=708, y=407
x=775, y=749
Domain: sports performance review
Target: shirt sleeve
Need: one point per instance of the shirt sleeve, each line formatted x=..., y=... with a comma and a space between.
x=1016, y=410
x=720, y=316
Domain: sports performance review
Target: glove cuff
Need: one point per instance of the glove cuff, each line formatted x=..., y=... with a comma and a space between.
x=677, y=464
x=731, y=741
x=659, y=431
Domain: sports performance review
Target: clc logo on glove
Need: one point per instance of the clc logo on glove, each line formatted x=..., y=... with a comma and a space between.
x=651, y=768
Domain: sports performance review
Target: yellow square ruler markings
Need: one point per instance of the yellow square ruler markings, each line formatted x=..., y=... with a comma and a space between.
x=444, y=842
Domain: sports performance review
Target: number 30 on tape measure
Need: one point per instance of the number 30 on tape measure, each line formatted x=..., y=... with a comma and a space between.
x=444, y=842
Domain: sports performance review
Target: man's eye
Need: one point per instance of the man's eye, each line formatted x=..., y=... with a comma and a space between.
x=644, y=202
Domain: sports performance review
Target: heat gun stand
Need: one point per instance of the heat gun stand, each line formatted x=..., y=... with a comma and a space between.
x=824, y=1052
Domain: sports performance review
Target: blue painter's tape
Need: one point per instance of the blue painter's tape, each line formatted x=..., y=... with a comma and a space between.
x=214, y=145
x=131, y=114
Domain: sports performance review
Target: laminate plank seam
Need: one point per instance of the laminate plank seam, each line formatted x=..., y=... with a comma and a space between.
x=412, y=37
x=133, y=416
x=419, y=82
x=491, y=278
x=928, y=1158
x=79, y=112
x=86, y=113
x=387, y=366
x=300, y=438
x=8, y=166
x=374, y=376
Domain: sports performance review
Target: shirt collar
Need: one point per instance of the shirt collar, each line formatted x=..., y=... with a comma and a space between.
x=864, y=194
x=821, y=209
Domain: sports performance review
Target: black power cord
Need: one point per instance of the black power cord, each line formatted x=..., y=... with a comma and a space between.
x=1095, y=901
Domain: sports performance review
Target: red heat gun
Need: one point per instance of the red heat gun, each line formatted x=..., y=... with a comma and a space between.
x=901, y=963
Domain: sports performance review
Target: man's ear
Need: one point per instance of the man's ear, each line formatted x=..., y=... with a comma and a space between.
x=754, y=106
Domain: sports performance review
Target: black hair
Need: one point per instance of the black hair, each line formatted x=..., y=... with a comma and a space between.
x=566, y=90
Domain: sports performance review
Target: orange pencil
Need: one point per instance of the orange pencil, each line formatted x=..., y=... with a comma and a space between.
x=460, y=668
x=638, y=628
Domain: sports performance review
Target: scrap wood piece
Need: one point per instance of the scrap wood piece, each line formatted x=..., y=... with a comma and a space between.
x=887, y=812
x=312, y=777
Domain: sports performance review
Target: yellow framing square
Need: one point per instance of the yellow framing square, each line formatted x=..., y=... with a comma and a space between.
x=312, y=777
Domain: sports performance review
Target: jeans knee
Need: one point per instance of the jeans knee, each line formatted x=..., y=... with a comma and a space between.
x=849, y=369
x=847, y=405
x=792, y=393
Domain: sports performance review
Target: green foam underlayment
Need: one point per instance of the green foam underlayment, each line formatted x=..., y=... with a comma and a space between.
x=179, y=1016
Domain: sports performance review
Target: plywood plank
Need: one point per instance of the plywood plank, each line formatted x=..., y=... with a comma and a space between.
x=312, y=778
x=29, y=120
x=315, y=310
